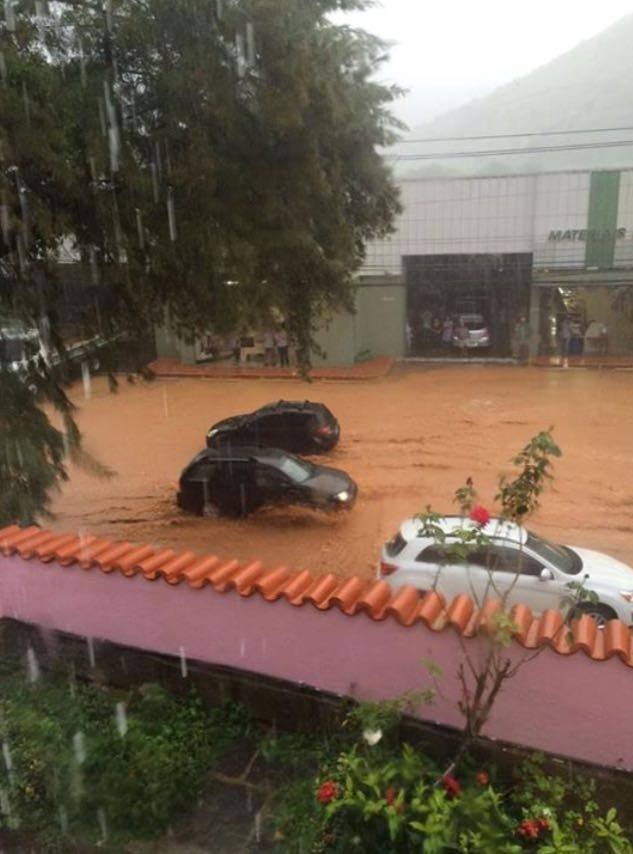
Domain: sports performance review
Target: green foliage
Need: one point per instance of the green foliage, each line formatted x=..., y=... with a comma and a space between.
x=373, y=800
x=73, y=771
x=520, y=497
x=215, y=162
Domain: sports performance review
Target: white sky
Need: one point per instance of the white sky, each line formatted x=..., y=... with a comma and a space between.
x=449, y=51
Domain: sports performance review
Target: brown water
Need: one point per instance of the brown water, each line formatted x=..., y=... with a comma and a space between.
x=408, y=441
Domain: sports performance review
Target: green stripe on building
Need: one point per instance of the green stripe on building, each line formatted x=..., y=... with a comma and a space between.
x=602, y=220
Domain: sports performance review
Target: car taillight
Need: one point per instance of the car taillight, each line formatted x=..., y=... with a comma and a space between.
x=326, y=430
x=387, y=568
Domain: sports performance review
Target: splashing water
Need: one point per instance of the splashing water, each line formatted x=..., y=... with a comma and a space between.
x=63, y=819
x=9, y=15
x=5, y=805
x=32, y=666
x=91, y=651
x=251, y=55
x=8, y=761
x=103, y=825
x=183, y=663
x=121, y=719
x=94, y=267
x=154, y=173
x=82, y=64
x=240, y=58
x=102, y=121
x=4, y=220
x=86, y=380
x=139, y=229
x=171, y=215
x=79, y=747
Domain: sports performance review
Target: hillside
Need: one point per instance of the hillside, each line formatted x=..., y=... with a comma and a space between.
x=591, y=86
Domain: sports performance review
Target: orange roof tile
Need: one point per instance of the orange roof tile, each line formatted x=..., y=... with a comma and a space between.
x=351, y=595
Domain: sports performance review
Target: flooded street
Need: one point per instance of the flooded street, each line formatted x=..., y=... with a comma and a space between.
x=409, y=441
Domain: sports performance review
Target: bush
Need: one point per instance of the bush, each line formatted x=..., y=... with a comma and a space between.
x=373, y=800
x=86, y=764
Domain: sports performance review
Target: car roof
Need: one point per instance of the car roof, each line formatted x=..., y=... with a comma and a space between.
x=290, y=404
x=240, y=453
x=496, y=528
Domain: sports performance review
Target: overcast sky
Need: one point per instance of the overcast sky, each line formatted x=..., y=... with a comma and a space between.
x=449, y=51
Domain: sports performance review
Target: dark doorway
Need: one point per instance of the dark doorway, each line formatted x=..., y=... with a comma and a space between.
x=482, y=294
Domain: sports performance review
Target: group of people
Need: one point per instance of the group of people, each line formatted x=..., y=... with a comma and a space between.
x=576, y=340
x=433, y=327
x=276, y=346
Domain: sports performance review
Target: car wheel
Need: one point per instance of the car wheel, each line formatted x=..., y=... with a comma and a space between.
x=210, y=511
x=598, y=612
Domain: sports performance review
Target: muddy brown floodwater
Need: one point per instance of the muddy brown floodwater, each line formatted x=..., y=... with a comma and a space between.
x=409, y=441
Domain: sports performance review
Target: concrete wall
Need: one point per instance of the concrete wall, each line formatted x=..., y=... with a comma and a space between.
x=569, y=705
x=376, y=329
x=514, y=213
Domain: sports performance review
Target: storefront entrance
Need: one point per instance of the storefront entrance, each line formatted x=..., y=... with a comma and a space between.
x=585, y=320
x=465, y=304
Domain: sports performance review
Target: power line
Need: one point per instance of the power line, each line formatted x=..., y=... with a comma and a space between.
x=504, y=152
x=512, y=135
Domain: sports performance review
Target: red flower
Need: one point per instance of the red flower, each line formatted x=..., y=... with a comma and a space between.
x=529, y=829
x=391, y=794
x=543, y=824
x=482, y=778
x=327, y=792
x=452, y=786
x=480, y=515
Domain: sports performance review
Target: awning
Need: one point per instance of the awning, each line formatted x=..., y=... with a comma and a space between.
x=582, y=278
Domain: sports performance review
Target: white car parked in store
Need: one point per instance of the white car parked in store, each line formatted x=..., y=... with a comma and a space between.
x=517, y=564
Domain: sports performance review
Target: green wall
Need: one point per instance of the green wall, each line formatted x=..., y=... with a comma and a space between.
x=604, y=194
x=377, y=328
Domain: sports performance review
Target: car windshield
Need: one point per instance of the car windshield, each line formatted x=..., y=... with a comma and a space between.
x=474, y=323
x=295, y=469
x=561, y=557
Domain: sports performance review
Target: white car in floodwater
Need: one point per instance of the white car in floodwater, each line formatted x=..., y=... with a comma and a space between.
x=517, y=566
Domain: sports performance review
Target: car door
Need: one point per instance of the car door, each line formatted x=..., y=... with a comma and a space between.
x=504, y=571
x=440, y=570
x=272, y=486
x=271, y=430
x=233, y=487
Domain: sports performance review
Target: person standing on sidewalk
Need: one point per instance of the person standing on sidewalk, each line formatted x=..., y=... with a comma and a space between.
x=269, y=348
x=281, y=340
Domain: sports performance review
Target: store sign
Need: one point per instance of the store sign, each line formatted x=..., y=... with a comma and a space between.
x=585, y=234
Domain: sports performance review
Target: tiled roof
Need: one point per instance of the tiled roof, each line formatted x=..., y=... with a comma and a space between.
x=351, y=595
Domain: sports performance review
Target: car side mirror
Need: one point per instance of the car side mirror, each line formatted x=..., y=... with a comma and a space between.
x=546, y=574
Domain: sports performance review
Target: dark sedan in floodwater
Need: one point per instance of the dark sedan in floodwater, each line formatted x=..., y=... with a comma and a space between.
x=238, y=480
x=299, y=427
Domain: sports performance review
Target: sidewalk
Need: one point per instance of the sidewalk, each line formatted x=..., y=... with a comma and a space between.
x=584, y=362
x=371, y=370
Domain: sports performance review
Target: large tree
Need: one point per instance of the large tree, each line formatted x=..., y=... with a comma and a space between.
x=209, y=160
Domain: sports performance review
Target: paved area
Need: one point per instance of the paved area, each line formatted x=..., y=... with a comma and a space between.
x=409, y=440
x=370, y=370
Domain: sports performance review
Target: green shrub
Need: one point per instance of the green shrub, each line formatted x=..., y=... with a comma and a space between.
x=377, y=800
x=76, y=773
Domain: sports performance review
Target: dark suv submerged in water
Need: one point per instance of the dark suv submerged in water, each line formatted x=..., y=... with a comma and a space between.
x=302, y=428
x=236, y=481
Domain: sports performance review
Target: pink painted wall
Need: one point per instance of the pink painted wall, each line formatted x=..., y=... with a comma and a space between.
x=567, y=705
